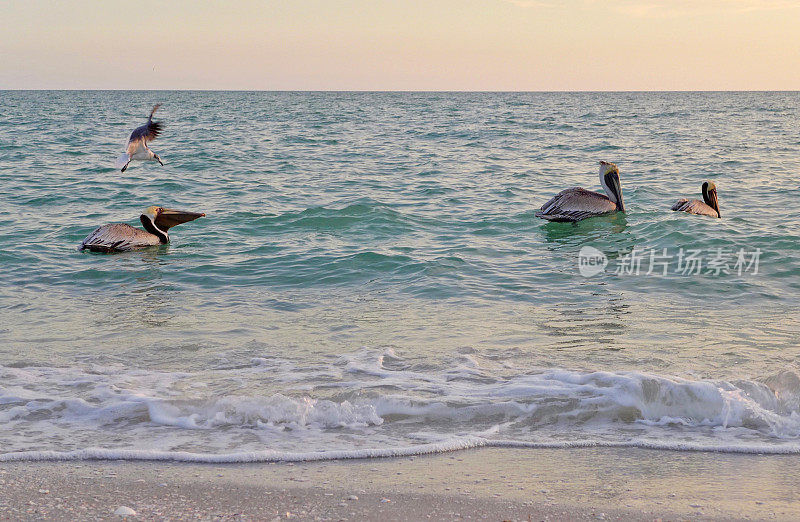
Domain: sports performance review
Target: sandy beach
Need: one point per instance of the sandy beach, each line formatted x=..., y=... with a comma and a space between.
x=493, y=484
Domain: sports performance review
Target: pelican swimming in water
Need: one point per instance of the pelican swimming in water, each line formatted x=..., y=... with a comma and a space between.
x=577, y=203
x=137, y=148
x=121, y=237
x=708, y=207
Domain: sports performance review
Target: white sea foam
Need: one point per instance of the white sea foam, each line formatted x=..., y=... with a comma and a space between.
x=253, y=412
x=372, y=404
x=455, y=444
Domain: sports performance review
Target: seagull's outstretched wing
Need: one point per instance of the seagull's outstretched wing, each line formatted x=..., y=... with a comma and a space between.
x=149, y=131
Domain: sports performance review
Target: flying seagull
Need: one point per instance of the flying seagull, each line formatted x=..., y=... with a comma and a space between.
x=137, y=148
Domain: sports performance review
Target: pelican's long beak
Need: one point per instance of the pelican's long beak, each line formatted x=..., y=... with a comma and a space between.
x=168, y=218
x=712, y=197
x=709, y=191
x=616, y=186
x=620, y=202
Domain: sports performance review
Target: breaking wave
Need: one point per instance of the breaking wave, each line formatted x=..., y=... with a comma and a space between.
x=368, y=404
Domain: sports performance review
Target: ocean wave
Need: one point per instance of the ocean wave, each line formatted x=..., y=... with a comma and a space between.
x=365, y=214
x=381, y=404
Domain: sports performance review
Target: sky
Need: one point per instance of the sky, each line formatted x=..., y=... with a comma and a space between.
x=463, y=45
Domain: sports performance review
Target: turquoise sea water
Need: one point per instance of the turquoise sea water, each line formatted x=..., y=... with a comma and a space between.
x=370, y=276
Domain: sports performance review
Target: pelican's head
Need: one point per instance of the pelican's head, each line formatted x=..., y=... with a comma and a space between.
x=158, y=220
x=710, y=196
x=151, y=213
x=609, y=178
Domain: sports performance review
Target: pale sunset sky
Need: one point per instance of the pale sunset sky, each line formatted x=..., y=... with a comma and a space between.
x=514, y=45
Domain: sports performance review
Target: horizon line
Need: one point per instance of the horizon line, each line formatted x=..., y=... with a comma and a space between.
x=421, y=91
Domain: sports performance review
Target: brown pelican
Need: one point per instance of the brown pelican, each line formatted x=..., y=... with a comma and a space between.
x=577, y=203
x=121, y=237
x=137, y=148
x=695, y=206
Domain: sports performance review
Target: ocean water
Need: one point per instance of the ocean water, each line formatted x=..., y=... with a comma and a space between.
x=370, y=278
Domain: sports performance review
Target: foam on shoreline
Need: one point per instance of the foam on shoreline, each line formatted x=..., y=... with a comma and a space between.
x=457, y=444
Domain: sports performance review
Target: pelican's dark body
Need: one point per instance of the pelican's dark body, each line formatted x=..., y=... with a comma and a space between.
x=119, y=237
x=694, y=206
x=575, y=204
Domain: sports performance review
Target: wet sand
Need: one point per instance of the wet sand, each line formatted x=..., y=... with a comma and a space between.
x=493, y=484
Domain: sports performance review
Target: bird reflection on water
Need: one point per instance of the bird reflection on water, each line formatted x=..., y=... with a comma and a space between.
x=147, y=302
x=609, y=234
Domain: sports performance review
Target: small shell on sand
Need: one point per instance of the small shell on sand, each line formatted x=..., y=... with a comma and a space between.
x=125, y=511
